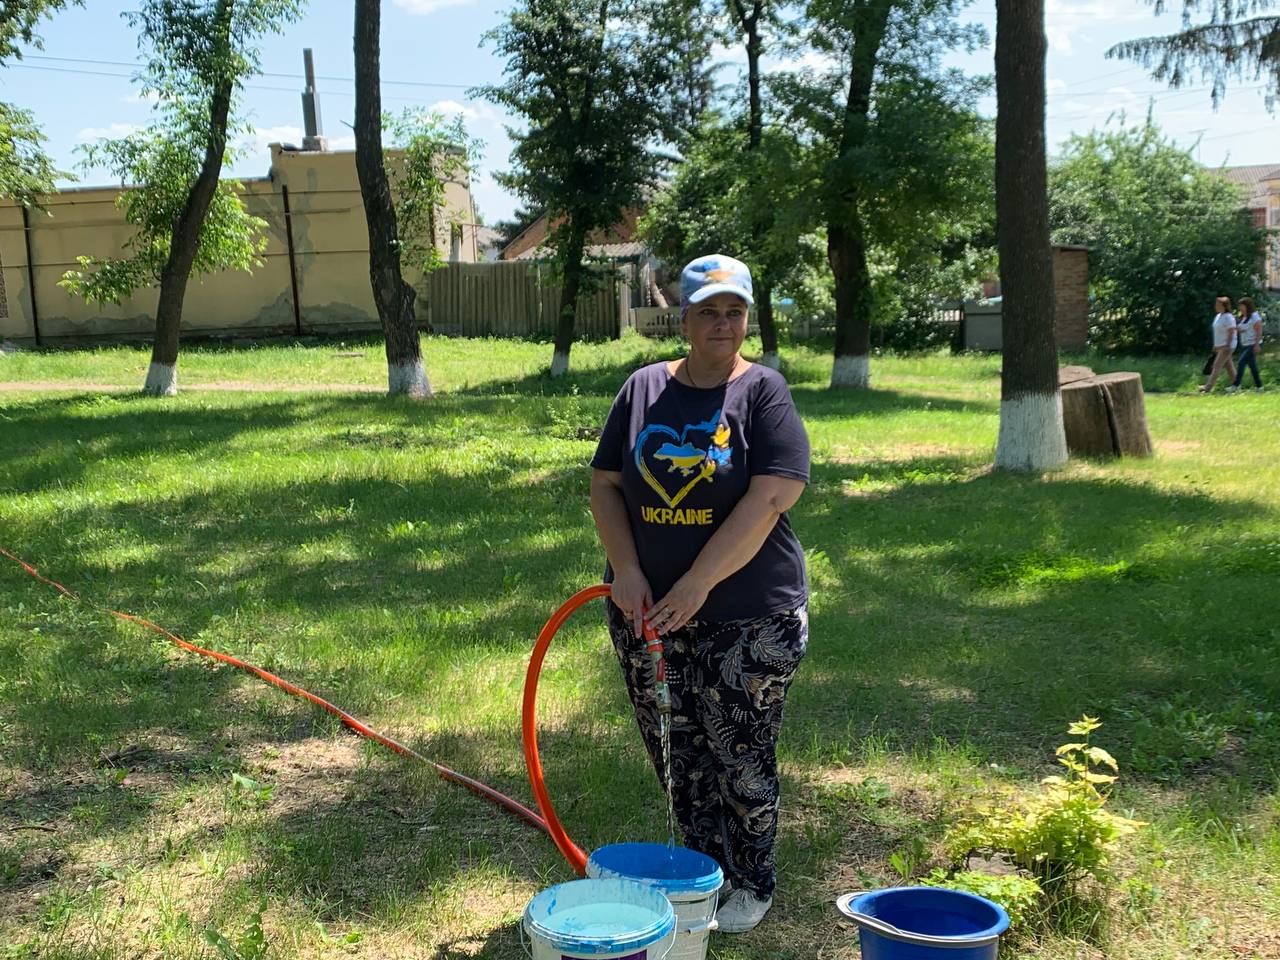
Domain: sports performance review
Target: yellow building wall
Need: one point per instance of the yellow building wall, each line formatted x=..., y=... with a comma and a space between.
x=330, y=243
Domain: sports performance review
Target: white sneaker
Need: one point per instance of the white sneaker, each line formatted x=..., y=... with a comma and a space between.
x=741, y=911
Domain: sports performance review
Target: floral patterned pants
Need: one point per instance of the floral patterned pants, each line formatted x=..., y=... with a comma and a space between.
x=728, y=684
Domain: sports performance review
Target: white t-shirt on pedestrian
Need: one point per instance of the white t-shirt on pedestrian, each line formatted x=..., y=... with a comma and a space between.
x=1248, y=329
x=1224, y=331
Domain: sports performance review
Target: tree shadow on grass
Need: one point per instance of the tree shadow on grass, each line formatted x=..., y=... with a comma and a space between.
x=996, y=609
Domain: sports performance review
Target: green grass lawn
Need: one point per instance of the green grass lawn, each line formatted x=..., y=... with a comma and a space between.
x=399, y=558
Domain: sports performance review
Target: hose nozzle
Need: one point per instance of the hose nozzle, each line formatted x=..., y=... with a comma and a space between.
x=662, y=692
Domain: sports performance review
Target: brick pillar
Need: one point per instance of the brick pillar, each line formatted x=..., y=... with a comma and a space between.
x=1071, y=297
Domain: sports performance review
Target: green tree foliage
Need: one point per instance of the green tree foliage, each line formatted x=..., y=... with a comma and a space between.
x=164, y=160
x=26, y=172
x=523, y=218
x=590, y=78
x=19, y=20
x=1166, y=236
x=433, y=152
x=906, y=162
x=694, y=86
x=712, y=203
x=1238, y=40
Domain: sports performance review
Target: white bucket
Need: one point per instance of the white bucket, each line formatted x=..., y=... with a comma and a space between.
x=690, y=880
x=608, y=919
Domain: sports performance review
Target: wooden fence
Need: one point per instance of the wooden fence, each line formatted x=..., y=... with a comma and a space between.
x=665, y=321
x=516, y=299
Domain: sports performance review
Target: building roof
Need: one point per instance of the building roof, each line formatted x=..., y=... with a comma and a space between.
x=604, y=251
x=1253, y=178
x=487, y=237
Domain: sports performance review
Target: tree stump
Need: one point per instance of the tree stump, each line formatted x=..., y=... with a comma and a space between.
x=1072, y=374
x=1105, y=416
x=1128, y=413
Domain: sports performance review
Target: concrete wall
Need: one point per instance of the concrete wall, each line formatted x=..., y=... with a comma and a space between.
x=330, y=262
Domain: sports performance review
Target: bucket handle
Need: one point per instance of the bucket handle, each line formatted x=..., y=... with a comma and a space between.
x=845, y=905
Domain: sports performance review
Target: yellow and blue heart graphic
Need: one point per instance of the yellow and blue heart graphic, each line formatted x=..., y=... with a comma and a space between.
x=687, y=464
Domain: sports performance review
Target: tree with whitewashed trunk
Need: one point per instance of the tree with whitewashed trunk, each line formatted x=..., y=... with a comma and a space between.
x=883, y=182
x=1031, y=435
x=393, y=297
x=186, y=219
x=593, y=80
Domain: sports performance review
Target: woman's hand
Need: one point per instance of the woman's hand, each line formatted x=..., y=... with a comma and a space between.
x=681, y=602
x=631, y=594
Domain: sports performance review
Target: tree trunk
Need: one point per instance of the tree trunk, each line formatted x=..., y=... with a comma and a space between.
x=1031, y=432
x=846, y=243
x=768, y=332
x=577, y=240
x=750, y=24
x=393, y=297
x=162, y=375
x=847, y=254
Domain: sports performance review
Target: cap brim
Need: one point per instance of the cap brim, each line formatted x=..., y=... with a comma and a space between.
x=711, y=289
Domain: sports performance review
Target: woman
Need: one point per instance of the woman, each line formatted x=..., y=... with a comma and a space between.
x=1224, y=342
x=698, y=463
x=1249, y=330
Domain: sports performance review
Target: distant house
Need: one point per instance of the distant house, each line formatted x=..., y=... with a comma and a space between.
x=1261, y=183
x=619, y=243
x=488, y=242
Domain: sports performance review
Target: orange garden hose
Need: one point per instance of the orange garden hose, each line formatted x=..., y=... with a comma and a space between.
x=475, y=786
x=528, y=721
x=548, y=821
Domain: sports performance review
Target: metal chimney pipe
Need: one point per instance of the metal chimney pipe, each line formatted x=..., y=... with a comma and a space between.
x=312, y=138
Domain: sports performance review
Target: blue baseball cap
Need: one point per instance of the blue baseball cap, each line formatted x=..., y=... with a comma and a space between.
x=707, y=276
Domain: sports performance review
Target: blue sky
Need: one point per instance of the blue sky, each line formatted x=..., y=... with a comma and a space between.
x=79, y=85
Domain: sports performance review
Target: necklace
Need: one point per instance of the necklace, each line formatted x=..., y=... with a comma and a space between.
x=712, y=386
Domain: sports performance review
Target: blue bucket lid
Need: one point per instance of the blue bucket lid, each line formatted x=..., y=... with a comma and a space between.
x=633, y=916
x=673, y=870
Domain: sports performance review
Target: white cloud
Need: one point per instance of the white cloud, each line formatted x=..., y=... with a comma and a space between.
x=424, y=7
x=110, y=132
x=476, y=111
x=138, y=96
x=1056, y=85
x=809, y=60
x=1066, y=20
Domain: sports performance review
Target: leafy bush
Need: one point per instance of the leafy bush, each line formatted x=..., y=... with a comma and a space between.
x=1063, y=832
x=1020, y=896
x=1165, y=235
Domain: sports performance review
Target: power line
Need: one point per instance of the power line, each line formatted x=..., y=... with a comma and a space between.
x=264, y=73
x=247, y=86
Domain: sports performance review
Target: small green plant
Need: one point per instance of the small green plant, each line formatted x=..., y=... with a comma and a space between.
x=1020, y=896
x=907, y=858
x=250, y=945
x=1063, y=832
x=247, y=792
x=1172, y=737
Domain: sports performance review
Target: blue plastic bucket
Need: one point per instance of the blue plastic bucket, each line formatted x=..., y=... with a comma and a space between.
x=690, y=880
x=612, y=919
x=925, y=923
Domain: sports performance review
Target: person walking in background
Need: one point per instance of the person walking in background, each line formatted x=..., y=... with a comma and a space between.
x=1249, y=330
x=1224, y=342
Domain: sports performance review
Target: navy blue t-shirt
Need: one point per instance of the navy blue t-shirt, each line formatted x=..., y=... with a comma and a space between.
x=687, y=455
